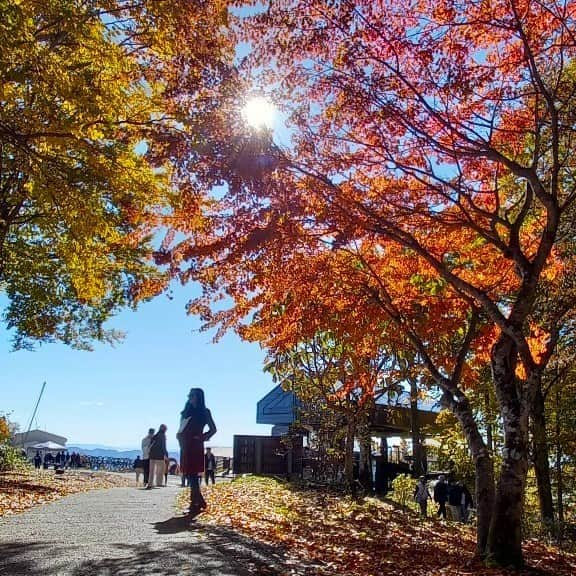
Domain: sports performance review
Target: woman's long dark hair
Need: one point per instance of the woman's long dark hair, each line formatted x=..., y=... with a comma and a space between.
x=198, y=411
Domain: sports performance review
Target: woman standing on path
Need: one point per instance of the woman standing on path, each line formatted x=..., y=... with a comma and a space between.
x=194, y=418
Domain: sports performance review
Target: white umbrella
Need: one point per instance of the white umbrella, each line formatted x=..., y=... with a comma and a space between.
x=48, y=446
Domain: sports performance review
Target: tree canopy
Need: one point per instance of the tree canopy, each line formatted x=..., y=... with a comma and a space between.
x=425, y=203
x=87, y=106
x=434, y=141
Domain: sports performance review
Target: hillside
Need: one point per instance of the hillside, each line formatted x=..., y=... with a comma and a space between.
x=111, y=452
x=314, y=533
x=98, y=451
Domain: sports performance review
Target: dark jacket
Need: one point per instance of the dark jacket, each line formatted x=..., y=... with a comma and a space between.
x=158, y=446
x=209, y=459
x=468, y=500
x=440, y=492
x=454, y=495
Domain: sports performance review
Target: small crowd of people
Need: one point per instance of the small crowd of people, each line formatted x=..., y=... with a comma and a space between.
x=453, y=498
x=155, y=461
x=62, y=459
x=155, y=464
x=59, y=459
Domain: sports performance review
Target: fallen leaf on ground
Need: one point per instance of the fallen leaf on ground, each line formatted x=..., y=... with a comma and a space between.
x=338, y=535
x=22, y=490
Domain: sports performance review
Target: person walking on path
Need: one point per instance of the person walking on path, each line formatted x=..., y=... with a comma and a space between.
x=454, y=500
x=146, y=454
x=209, y=466
x=421, y=496
x=194, y=419
x=466, y=504
x=138, y=469
x=441, y=496
x=158, y=455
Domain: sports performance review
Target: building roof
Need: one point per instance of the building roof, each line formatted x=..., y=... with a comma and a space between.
x=48, y=446
x=36, y=437
x=391, y=416
x=277, y=407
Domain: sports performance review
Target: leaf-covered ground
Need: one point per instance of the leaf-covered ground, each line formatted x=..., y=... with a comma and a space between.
x=25, y=489
x=326, y=534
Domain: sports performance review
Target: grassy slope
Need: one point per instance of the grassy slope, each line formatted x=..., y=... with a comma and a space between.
x=330, y=534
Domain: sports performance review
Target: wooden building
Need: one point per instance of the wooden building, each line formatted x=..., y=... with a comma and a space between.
x=270, y=455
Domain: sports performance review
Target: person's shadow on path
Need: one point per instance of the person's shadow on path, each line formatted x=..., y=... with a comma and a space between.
x=176, y=524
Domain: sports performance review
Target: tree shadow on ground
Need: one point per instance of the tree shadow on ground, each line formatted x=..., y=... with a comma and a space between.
x=146, y=559
x=208, y=551
x=258, y=557
x=161, y=559
x=253, y=555
x=17, y=558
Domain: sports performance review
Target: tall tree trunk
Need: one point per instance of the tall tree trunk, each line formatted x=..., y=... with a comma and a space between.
x=484, y=471
x=417, y=448
x=485, y=496
x=542, y=460
x=559, y=479
x=489, y=431
x=349, y=452
x=365, y=472
x=505, y=538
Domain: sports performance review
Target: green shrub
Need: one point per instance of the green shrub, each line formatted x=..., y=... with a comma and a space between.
x=11, y=458
x=403, y=487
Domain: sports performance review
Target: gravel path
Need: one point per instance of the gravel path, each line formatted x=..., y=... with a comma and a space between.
x=116, y=532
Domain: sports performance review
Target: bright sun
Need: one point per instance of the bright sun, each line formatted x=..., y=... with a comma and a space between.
x=259, y=113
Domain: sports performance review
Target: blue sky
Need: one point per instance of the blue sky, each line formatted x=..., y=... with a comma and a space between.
x=111, y=396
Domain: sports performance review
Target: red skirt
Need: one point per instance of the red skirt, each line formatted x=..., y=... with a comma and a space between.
x=191, y=452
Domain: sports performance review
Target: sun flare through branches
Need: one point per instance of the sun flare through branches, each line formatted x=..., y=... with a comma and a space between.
x=259, y=113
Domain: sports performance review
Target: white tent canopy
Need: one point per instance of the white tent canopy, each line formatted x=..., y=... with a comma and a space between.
x=48, y=446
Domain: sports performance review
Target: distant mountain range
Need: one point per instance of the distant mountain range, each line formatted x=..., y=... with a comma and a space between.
x=106, y=452
x=100, y=451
